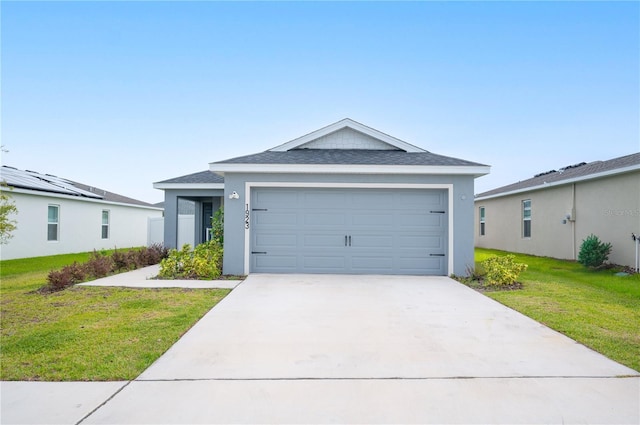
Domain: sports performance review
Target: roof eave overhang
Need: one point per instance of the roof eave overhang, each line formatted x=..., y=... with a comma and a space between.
x=474, y=170
x=562, y=182
x=80, y=198
x=177, y=186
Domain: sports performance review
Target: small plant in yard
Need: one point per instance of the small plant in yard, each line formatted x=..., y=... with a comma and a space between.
x=203, y=262
x=593, y=252
x=502, y=270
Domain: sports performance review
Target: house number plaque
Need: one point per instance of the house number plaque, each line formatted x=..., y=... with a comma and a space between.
x=246, y=216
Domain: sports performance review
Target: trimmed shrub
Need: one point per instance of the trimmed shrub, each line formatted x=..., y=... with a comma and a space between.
x=153, y=254
x=502, y=271
x=593, y=252
x=101, y=265
x=58, y=280
x=120, y=261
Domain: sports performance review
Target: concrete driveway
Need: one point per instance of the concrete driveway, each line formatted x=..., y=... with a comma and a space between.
x=372, y=349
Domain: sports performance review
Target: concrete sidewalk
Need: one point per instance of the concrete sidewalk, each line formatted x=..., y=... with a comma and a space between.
x=145, y=278
x=352, y=349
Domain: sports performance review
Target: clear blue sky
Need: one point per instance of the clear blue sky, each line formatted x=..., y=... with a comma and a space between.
x=122, y=94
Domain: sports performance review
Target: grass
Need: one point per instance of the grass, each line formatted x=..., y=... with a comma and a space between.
x=595, y=308
x=88, y=333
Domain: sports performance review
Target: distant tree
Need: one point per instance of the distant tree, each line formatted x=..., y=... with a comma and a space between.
x=7, y=207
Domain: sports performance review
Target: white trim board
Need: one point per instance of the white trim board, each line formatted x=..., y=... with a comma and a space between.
x=475, y=170
x=188, y=186
x=445, y=186
x=80, y=198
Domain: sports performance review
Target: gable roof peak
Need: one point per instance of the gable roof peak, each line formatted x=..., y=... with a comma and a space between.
x=375, y=138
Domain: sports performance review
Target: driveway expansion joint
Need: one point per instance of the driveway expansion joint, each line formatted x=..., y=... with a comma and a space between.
x=103, y=403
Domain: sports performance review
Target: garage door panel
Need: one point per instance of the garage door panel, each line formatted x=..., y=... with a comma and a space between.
x=372, y=241
x=275, y=263
x=274, y=198
x=323, y=240
x=324, y=219
x=419, y=219
x=362, y=219
x=322, y=198
x=279, y=240
x=275, y=218
x=421, y=265
x=327, y=263
x=423, y=241
x=371, y=264
x=366, y=199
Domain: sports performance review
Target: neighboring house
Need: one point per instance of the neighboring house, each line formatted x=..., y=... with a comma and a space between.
x=552, y=213
x=59, y=216
x=342, y=199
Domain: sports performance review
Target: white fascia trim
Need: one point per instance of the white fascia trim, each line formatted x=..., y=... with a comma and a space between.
x=563, y=182
x=249, y=185
x=163, y=186
x=354, y=126
x=475, y=170
x=79, y=198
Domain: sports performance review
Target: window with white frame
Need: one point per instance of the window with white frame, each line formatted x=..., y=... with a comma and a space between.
x=526, y=218
x=53, y=223
x=482, y=221
x=105, y=224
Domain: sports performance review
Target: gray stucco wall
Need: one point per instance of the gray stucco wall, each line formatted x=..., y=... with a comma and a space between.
x=234, y=257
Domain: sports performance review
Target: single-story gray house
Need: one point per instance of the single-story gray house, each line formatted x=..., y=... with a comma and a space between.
x=551, y=213
x=342, y=199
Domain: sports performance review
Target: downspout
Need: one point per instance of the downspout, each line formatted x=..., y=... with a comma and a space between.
x=573, y=220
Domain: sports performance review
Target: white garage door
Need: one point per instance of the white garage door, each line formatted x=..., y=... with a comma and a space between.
x=359, y=231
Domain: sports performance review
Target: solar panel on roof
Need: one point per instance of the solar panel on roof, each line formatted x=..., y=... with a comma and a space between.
x=36, y=181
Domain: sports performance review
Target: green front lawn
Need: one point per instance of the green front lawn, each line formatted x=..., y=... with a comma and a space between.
x=88, y=333
x=595, y=308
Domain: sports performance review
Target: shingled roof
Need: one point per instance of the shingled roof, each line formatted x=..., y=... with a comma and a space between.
x=201, y=177
x=47, y=183
x=569, y=174
x=348, y=157
x=344, y=147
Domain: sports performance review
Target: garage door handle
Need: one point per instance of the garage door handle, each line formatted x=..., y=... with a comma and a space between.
x=349, y=240
x=437, y=212
x=258, y=252
x=437, y=255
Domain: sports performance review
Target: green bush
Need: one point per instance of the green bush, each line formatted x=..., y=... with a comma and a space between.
x=502, y=271
x=204, y=262
x=593, y=252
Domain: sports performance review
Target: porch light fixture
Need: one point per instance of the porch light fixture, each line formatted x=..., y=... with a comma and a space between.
x=234, y=195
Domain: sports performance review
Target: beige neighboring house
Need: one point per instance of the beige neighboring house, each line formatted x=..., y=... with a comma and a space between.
x=553, y=212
